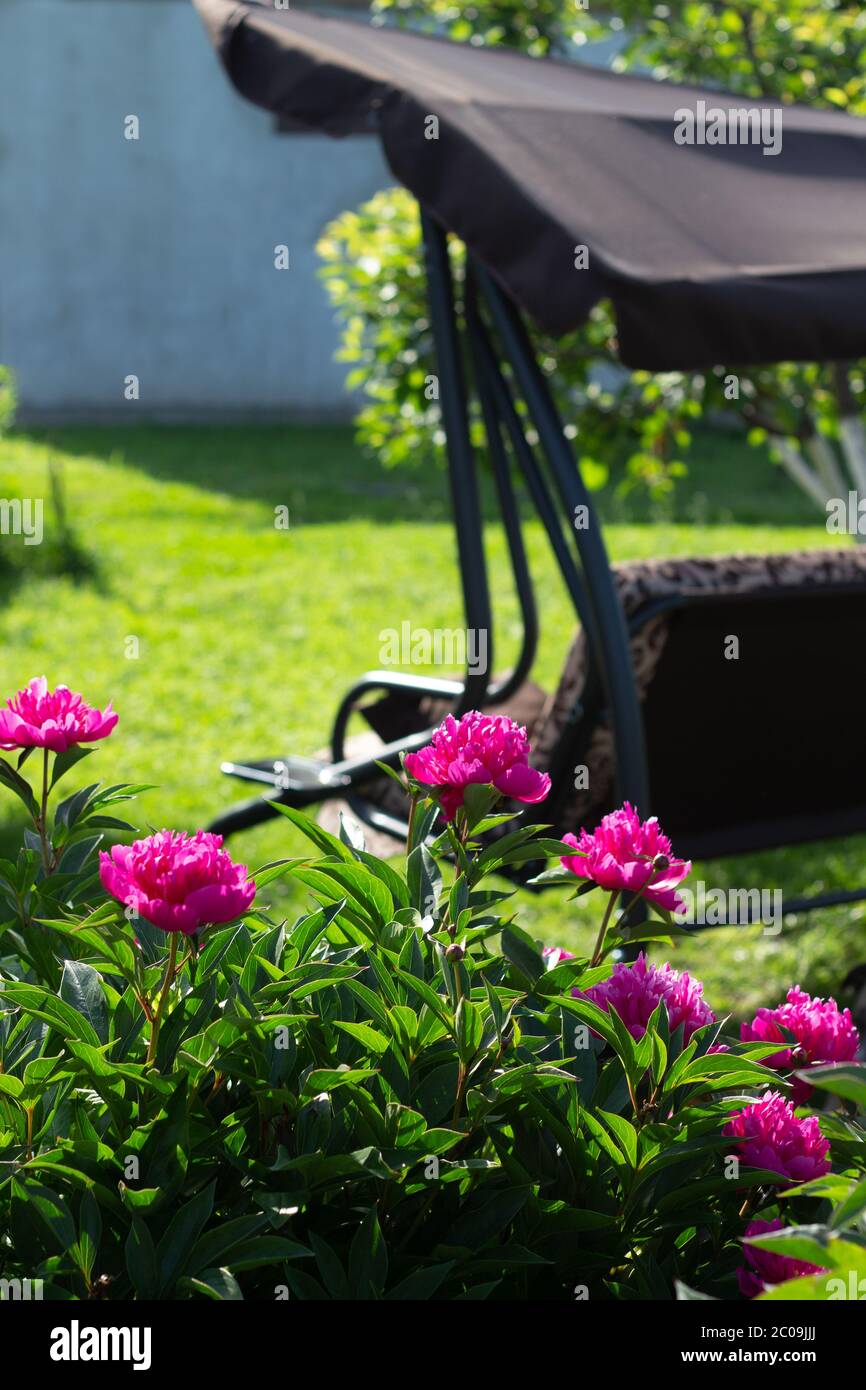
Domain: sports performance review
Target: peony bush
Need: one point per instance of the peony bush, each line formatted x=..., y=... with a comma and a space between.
x=401, y=1095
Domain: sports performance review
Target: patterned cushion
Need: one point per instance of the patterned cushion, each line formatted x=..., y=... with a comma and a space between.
x=641, y=583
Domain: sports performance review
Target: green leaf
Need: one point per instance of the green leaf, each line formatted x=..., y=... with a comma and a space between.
x=139, y=1198
x=323, y=883
x=478, y=798
x=458, y=898
x=75, y=857
x=16, y=783
x=421, y=1284
x=383, y=767
x=519, y=949
x=435, y=1002
x=845, y=1079
x=717, y=1071
x=81, y=987
x=86, y=1248
x=352, y=834
x=562, y=876
x=810, y=1288
x=424, y=880
x=435, y=1095
x=370, y=1000
x=368, y=1259
x=183, y=1231
x=330, y=1268
x=816, y=1245
x=68, y=811
x=109, y=823
x=51, y=1010
x=391, y=879
x=141, y=1263
x=277, y=1206
x=625, y=1134
x=848, y=1210
x=830, y=1185
x=217, y=1245
x=48, y=1212
x=214, y=1283
x=603, y=1138
x=269, y=873
x=497, y=852
x=369, y=1036
x=65, y=761
x=599, y=1020
x=322, y=839
x=685, y=1294
x=469, y=1030
x=439, y=1141
x=367, y=892
x=477, y=1226
x=266, y=1250
x=327, y=1080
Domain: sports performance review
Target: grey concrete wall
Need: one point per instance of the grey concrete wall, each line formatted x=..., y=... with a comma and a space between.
x=155, y=257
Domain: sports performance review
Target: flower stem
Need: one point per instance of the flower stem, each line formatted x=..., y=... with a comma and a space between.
x=635, y=899
x=410, y=832
x=458, y=1099
x=42, y=822
x=599, y=945
x=457, y=840
x=163, y=1000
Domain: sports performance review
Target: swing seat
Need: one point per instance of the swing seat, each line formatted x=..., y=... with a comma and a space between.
x=777, y=759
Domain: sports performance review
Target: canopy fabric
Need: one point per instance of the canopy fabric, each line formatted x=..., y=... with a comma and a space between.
x=711, y=253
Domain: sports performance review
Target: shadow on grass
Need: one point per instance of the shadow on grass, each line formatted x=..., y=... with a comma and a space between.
x=59, y=554
x=322, y=470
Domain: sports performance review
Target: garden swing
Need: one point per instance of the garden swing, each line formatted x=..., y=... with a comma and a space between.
x=709, y=254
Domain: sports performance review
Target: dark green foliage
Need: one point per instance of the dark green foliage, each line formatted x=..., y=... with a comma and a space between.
x=392, y=1097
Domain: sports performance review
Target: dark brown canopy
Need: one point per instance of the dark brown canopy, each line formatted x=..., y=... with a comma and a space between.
x=711, y=253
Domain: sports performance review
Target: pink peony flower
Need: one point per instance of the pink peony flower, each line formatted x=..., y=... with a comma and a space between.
x=626, y=854
x=178, y=882
x=635, y=990
x=481, y=748
x=763, y=1267
x=770, y=1136
x=554, y=956
x=823, y=1034
x=41, y=718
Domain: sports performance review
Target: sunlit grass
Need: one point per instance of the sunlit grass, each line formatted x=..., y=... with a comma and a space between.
x=216, y=634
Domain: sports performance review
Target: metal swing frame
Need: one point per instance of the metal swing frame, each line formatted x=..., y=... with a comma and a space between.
x=549, y=473
x=493, y=337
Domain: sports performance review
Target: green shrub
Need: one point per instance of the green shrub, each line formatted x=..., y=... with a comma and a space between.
x=396, y=1096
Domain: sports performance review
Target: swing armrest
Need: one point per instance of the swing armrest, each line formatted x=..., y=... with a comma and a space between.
x=383, y=681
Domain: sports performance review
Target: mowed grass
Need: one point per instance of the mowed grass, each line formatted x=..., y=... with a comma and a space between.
x=217, y=633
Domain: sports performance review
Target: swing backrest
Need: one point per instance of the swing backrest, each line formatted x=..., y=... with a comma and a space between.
x=750, y=673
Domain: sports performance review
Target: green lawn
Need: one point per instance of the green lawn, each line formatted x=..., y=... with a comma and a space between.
x=248, y=634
